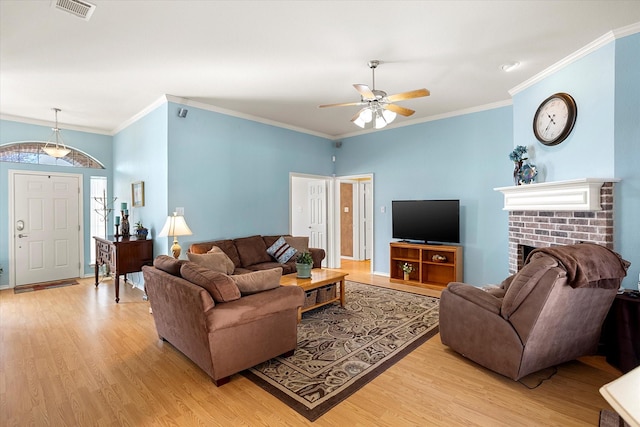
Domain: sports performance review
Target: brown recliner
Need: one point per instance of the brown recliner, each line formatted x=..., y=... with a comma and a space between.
x=548, y=313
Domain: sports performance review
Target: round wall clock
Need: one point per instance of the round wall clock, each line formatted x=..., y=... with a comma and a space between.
x=555, y=118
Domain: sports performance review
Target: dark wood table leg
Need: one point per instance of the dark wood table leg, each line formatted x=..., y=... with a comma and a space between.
x=116, y=282
x=97, y=272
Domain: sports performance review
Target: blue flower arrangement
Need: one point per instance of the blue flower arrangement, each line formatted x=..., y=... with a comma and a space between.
x=517, y=155
x=522, y=174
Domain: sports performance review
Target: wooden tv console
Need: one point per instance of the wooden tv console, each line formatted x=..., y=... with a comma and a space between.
x=427, y=271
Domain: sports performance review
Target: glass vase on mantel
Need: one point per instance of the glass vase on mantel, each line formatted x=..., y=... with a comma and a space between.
x=516, y=172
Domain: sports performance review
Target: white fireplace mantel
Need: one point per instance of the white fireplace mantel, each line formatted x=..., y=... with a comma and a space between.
x=574, y=195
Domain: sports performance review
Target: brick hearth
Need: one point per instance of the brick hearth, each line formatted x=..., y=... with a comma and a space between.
x=541, y=228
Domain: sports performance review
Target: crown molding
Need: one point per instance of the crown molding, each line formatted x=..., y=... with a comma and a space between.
x=456, y=113
x=197, y=104
x=580, y=53
x=49, y=124
x=186, y=102
x=146, y=110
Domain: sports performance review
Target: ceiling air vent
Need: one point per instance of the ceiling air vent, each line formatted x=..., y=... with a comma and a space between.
x=81, y=9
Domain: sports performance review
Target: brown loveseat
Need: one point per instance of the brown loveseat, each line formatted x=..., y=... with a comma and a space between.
x=250, y=253
x=226, y=337
x=548, y=313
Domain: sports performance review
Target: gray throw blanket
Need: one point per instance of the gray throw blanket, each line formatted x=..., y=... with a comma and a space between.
x=588, y=264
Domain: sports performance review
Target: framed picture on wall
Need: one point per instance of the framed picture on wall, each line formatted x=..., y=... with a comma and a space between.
x=137, y=194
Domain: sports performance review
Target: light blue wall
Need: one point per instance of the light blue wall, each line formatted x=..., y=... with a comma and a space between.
x=464, y=158
x=95, y=145
x=231, y=175
x=588, y=151
x=627, y=154
x=141, y=154
x=605, y=140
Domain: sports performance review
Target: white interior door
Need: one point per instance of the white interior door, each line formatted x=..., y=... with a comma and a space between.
x=46, y=227
x=366, y=220
x=317, y=198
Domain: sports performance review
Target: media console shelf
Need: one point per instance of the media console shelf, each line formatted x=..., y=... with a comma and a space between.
x=426, y=270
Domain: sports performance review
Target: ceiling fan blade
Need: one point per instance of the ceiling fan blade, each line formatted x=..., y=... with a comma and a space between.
x=343, y=104
x=364, y=91
x=418, y=93
x=398, y=109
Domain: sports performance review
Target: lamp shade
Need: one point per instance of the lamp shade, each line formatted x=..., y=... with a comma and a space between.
x=366, y=115
x=359, y=122
x=388, y=115
x=380, y=121
x=175, y=226
x=57, y=152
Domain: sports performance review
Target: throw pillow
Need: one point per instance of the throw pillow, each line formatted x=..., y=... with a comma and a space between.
x=258, y=281
x=221, y=287
x=252, y=250
x=281, y=251
x=168, y=264
x=301, y=243
x=230, y=266
x=218, y=261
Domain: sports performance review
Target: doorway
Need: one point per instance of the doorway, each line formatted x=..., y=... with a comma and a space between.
x=362, y=200
x=45, y=227
x=308, y=211
x=356, y=217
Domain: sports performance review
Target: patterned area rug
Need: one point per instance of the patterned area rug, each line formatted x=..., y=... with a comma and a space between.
x=342, y=349
x=40, y=286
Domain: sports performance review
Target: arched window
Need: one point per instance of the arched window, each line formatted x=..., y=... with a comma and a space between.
x=30, y=152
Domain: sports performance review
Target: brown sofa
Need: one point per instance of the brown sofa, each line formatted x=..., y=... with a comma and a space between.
x=548, y=313
x=250, y=253
x=222, y=338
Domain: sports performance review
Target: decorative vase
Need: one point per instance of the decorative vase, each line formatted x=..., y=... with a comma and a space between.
x=528, y=173
x=141, y=233
x=303, y=270
x=516, y=172
x=124, y=226
x=406, y=276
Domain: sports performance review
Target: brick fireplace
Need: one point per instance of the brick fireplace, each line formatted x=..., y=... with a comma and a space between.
x=561, y=213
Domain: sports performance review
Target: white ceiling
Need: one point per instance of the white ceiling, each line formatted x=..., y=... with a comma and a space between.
x=279, y=60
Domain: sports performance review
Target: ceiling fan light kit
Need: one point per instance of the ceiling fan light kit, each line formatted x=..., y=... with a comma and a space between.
x=379, y=107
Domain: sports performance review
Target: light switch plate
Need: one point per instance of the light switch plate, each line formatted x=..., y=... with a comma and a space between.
x=180, y=211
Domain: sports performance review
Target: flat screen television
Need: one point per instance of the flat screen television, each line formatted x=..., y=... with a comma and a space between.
x=426, y=220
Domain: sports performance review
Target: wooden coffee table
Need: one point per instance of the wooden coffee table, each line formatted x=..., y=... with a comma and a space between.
x=319, y=278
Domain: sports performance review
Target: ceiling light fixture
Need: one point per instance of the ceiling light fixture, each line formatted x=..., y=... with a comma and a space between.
x=374, y=111
x=60, y=150
x=379, y=107
x=509, y=66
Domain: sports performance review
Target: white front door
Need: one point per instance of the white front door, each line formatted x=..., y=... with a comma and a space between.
x=46, y=227
x=317, y=197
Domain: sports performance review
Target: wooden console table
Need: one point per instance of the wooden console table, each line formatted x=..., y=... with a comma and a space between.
x=123, y=255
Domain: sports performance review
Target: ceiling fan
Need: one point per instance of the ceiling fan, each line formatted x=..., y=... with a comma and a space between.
x=378, y=105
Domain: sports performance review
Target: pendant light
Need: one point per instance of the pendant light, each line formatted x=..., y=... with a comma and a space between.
x=59, y=150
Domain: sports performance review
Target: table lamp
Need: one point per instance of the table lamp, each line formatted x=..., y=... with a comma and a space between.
x=174, y=227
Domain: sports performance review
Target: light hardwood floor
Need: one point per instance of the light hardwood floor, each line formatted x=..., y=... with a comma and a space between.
x=71, y=356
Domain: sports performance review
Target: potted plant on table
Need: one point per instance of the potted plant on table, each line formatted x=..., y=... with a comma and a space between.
x=304, y=263
x=406, y=268
x=141, y=231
